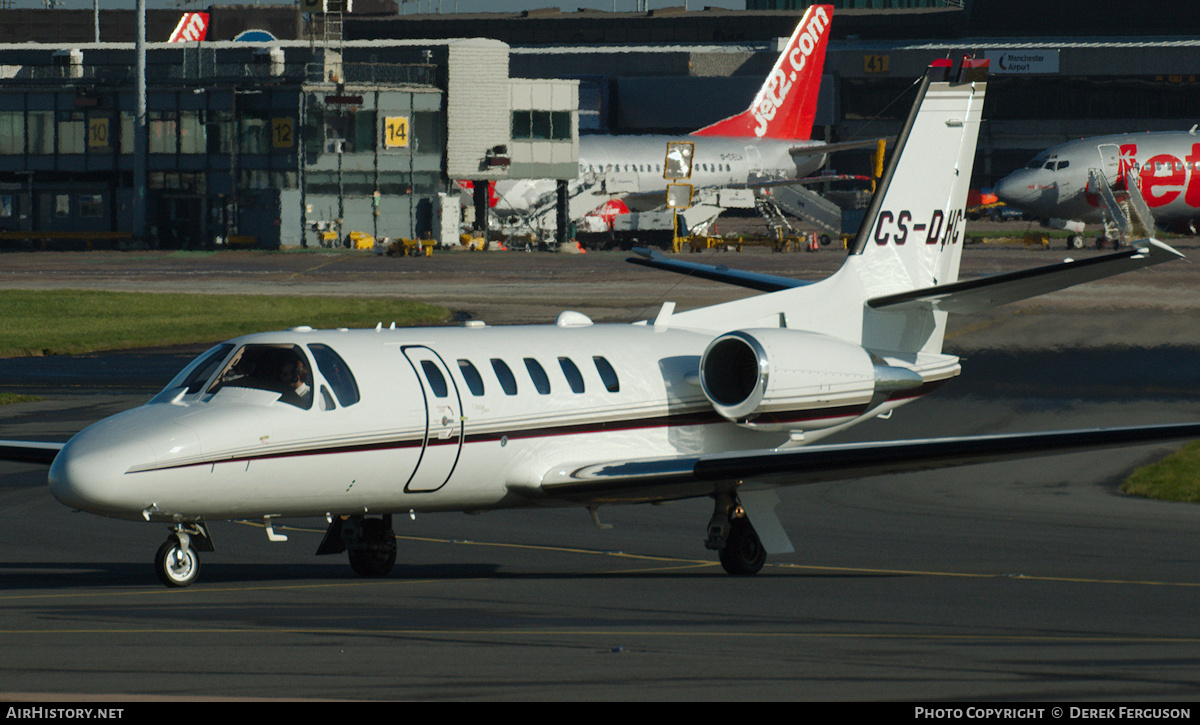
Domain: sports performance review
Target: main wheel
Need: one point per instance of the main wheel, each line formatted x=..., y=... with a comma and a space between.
x=743, y=553
x=374, y=550
x=175, y=566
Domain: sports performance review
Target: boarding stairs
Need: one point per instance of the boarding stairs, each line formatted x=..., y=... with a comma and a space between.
x=1118, y=223
x=584, y=194
x=808, y=205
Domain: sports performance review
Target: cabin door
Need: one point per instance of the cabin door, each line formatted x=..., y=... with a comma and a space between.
x=443, y=420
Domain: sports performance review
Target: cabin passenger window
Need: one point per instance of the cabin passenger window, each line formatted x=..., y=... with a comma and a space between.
x=472, y=376
x=574, y=379
x=437, y=383
x=507, y=381
x=608, y=376
x=336, y=373
x=538, y=375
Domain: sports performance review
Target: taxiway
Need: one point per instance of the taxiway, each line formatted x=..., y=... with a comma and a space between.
x=1024, y=580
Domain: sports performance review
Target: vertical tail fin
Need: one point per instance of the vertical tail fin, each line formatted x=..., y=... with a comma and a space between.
x=786, y=104
x=911, y=237
x=191, y=27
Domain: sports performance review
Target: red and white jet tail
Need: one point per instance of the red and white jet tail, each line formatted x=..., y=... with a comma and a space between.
x=192, y=27
x=786, y=105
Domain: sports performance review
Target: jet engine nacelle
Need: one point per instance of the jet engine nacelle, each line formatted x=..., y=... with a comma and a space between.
x=775, y=378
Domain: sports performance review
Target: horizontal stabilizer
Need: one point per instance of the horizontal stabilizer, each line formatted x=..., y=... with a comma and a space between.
x=700, y=475
x=718, y=273
x=29, y=452
x=983, y=293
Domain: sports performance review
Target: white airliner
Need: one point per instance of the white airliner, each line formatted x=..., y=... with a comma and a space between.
x=770, y=140
x=1054, y=185
x=726, y=401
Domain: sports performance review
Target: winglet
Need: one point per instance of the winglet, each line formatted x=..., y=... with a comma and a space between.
x=786, y=104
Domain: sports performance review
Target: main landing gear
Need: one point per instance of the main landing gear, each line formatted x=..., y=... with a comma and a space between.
x=177, y=562
x=736, y=541
x=369, y=543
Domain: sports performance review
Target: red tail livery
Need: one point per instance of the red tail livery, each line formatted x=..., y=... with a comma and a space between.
x=786, y=104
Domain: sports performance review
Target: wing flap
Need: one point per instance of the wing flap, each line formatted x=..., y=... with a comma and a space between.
x=661, y=479
x=973, y=295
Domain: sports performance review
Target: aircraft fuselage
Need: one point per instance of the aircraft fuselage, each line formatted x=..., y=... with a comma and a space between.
x=1054, y=184
x=632, y=167
x=410, y=419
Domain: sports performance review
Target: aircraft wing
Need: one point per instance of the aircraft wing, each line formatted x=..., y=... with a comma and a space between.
x=660, y=479
x=29, y=451
x=971, y=295
x=833, y=148
x=982, y=293
x=797, y=181
x=717, y=273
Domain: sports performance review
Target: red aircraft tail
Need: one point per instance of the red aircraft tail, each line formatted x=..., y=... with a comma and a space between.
x=787, y=102
x=192, y=27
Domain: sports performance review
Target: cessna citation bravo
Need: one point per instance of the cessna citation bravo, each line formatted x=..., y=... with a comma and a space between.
x=771, y=139
x=724, y=402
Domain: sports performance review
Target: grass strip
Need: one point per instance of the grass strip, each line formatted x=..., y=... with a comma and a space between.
x=11, y=398
x=56, y=322
x=1174, y=478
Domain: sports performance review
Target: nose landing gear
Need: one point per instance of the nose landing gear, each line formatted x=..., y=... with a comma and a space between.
x=177, y=562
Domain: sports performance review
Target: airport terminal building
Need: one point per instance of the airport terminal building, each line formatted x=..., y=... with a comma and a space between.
x=264, y=144
x=269, y=143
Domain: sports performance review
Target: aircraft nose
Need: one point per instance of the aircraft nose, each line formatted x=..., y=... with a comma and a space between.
x=1018, y=188
x=90, y=473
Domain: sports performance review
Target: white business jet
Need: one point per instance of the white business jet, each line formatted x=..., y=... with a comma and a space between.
x=723, y=402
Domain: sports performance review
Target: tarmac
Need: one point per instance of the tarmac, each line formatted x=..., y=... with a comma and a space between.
x=1027, y=580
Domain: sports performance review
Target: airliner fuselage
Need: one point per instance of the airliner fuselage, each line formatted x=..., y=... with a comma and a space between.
x=631, y=167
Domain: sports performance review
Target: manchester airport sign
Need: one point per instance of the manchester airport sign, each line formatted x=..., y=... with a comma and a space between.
x=1023, y=60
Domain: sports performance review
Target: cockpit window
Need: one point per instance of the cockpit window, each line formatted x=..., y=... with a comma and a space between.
x=1063, y=164
x=1035, y=163
x=279, y=368
x=336, y=373
x=208, y=365
x=196, y=373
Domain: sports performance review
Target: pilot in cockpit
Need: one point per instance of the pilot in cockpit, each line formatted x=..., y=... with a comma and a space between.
x=297, y=382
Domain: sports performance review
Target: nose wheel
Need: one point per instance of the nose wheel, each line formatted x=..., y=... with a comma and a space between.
x=175, y=565
x=177, y=562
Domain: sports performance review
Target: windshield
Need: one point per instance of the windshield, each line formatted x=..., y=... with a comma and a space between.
x=196, y=373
